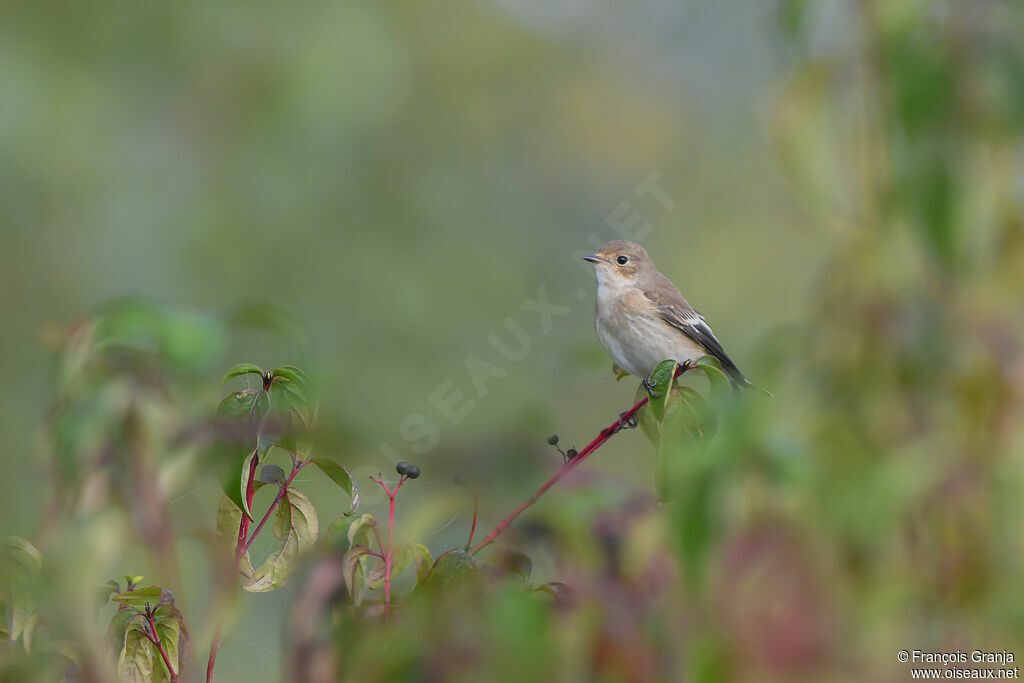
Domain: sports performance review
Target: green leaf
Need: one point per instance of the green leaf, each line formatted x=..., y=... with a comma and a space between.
x=720, y=384
x=244, y=403
x=243, y=369
x=118, y=624
x=415, y=554
x=424, y=562
x=520, y=564
x=294, y=395
x=27, y=630
x=135, y=664
x=359, y=531
x=20, y=568
x=230, y=458
x=108, y=589
x=662, y=378
x=337, y=534
x=272, y=474
x=251, y=461
x=453, y=567
x=229, y=517
x=283, y=525
x=291, y=373
x=354, y=567
x=139, y=598
x=170, y=628
x=340, y=475
x=302, y=531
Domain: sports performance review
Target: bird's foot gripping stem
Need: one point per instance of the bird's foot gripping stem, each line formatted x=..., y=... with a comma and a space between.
x=649, y=386
x=627, y=422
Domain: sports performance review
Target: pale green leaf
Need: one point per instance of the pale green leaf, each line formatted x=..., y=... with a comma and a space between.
x=303, y=529
x=340, y=475
x=243, y=369
x=135, y=664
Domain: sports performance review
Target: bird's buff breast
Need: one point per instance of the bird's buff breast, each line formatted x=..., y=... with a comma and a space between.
x=635, y=336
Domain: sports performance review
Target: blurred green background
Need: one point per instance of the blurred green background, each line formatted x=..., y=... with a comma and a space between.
x=397, y=178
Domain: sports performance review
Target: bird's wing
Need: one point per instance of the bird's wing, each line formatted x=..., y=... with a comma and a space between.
x=676, y=311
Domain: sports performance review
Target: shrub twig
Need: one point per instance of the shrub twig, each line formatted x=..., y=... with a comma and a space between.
x=571, y=464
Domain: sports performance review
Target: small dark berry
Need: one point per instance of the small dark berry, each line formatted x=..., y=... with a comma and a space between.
x=553, y=439
x=403, y=467
x=571, y=453
x=412, y=471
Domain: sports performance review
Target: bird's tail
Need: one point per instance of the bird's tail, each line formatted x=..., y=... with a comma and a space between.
x=747, y=384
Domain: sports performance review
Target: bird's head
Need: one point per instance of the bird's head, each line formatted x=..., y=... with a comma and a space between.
x=620, y=263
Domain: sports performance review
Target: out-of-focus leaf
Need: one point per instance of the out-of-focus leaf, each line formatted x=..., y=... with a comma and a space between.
x=229, y=517
x=247, y=402
x=184, y=339
x=20, y=567
x=354, y=566
x=173, y=636
x=243, y=369
x=517, y=563
x=135, y=664
x=293, y=374
x=359, y=531
x=302, y=532
x=791, y=15
x=451, y=568
x=111, y=587
x=424, y=562
x=141, y=597
x=267, y=316
x=405, y=555
x=340, y=475
x=295, y=396
x=687, y=416
x=116, y=629
x=561, y=592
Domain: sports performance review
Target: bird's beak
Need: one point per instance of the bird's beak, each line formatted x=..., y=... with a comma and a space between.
x=593, y=258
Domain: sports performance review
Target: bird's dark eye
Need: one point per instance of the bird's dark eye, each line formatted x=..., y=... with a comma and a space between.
x=622, y=260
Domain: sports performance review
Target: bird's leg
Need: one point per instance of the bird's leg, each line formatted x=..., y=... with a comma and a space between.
x=649, y=386
x=627, y=422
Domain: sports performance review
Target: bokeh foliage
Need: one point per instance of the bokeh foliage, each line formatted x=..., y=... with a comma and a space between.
x=872, y=506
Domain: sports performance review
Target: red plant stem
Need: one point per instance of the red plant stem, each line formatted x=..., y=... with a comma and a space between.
x=472, y=529
x=214, y=646
x=250, y=491
x=605, y=434
x=280, y=495
x=388, y=559
x=155, y=638
x=243, y=545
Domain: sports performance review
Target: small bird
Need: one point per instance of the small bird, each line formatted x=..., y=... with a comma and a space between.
x=642, y=319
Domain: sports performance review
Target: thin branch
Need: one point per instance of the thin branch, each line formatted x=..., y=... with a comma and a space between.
x=273, y=506
x=605, y=434
x=243, y=544
x=388, y=559
x=472, y=529
x=154, y=637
